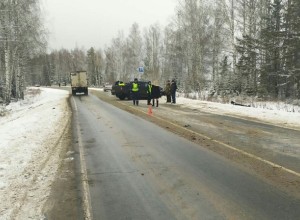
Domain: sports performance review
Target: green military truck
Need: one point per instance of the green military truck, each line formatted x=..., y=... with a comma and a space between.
x=79, y=82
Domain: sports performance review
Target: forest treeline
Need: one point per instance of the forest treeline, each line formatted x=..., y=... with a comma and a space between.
x=217, y=48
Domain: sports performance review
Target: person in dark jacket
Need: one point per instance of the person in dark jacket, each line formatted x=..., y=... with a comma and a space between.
x=121, y=83
x=135, y=92
x=168, y=91
x=155, y=94
x=173, y=91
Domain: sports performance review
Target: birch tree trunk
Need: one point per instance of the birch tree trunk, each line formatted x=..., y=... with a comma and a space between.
x=7, y=64
x=21, y=33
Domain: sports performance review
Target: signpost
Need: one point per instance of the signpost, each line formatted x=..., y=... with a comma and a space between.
x=141, y=69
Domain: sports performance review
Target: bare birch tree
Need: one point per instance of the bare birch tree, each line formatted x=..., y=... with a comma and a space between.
x=22, y=37
x=134, y=51
x=95, y=67
x=153, y=49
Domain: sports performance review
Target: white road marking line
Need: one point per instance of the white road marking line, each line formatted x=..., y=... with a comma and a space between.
x=225, y=145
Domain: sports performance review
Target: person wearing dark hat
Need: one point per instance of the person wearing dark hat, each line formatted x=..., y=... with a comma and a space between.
x=173, y=91
x=135, y=92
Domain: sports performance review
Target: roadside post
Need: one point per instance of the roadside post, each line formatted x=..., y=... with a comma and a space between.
x=141, y=71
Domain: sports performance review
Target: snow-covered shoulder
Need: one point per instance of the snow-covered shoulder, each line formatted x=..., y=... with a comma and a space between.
x=277, y=113
x=28, y=132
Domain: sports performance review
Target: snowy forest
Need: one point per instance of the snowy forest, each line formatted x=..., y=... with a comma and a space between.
x=216, y=47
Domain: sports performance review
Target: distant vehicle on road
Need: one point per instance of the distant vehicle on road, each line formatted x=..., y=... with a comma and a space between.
x=107, y=87
x=79, y=82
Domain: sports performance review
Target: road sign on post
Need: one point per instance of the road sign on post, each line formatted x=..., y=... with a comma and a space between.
x=141, y=69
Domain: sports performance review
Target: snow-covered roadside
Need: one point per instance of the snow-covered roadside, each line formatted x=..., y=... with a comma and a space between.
x=274, y=113
x=29, y=151
x=277, y=113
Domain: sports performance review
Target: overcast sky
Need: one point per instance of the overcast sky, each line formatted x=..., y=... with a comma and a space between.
x=94, y=23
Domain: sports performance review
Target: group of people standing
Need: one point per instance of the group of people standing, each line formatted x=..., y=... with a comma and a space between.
x=153, y=92
x=170, y=91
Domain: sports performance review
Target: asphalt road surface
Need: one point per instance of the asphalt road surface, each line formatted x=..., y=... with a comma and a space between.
x=132, y=168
